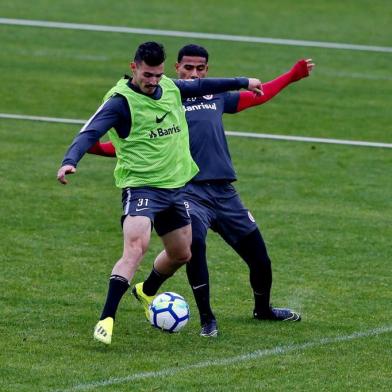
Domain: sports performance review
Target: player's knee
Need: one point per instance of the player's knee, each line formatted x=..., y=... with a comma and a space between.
x=187, y=255
x=181, y=256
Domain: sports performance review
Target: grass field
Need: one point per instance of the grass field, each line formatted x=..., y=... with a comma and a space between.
x=325, y=210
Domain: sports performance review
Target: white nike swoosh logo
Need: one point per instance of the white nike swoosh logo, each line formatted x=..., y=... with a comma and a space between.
x=198, y=287
x=141, y=209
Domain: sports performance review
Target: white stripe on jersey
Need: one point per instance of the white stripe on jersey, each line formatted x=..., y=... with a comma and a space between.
x=92, y=117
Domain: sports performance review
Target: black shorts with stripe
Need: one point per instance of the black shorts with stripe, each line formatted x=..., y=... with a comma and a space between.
x=166, y=208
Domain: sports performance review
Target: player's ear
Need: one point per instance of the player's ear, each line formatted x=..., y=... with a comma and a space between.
x=132, y=66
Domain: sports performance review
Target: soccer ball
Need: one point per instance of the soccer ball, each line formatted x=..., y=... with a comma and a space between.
x=169, y=312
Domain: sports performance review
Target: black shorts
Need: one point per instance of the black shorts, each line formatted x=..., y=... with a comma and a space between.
x=166, y=208
x=218, y=206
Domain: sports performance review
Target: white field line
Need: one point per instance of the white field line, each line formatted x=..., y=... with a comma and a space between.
x=183, y=34
x=258, y=354
x=42, y=119
x=229, y=133
x=309, y=139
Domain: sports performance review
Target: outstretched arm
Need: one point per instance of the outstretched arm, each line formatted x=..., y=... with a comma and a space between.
x=200, y=87
x=301, y=69
x=110, y=115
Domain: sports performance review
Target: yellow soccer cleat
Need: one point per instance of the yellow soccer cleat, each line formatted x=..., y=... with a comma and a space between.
x=144, y=299
x=103, y=330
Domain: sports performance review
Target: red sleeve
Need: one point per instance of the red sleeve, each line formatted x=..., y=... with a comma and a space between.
x=104, y=149
x=248, y=98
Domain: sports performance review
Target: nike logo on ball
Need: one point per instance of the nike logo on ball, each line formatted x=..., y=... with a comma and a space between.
x=160, y=119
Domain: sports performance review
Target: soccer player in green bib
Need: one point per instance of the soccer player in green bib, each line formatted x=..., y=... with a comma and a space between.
x=150, y=134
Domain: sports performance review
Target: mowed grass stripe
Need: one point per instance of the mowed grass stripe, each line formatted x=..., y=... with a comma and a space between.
x=229, y=133
x=279, y=350
x=197, y=35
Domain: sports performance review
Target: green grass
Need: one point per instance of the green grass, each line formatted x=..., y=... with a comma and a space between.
x=354, y=21
x=324, y=210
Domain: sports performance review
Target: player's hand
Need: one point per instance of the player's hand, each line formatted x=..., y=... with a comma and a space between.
x=310, y=64
x=63, y=171
x=255, y=86
x=302, y=69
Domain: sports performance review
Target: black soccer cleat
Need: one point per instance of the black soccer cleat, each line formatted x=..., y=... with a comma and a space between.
x=277, y=314
x=209, y=329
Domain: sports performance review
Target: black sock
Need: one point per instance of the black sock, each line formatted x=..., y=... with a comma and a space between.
x=262, y=302
x=197, y=272
x=118, y=285
x=154, y=281
x=202, y=298
x=254, y=252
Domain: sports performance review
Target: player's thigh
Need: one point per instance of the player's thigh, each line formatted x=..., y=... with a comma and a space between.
x=200, y=203
x=233, y=221
x=137, y=233
x=178, y=242
x=171, y=219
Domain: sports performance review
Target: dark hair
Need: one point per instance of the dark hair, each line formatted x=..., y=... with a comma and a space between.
x=152, y=53
x=192, y=50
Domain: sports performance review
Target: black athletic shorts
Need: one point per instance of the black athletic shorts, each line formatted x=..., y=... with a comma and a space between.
x=218, y=206
x=166, y=208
